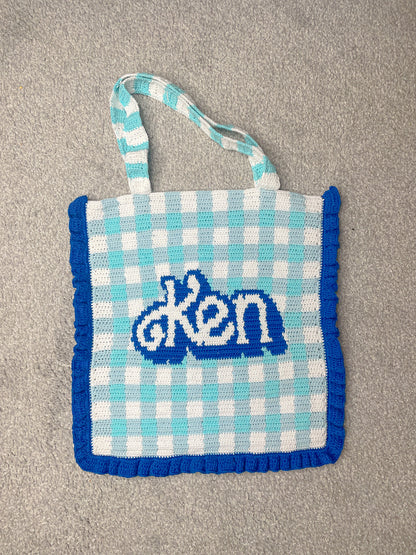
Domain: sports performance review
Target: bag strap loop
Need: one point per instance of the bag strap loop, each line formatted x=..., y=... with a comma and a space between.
x=133, y=141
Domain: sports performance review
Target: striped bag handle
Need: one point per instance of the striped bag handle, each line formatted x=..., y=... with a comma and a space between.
x=133, y=141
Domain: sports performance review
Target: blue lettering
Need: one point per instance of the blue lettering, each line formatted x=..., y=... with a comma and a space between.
x=192, y=317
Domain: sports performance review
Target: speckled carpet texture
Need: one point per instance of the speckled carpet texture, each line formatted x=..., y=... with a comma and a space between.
x=328, y=90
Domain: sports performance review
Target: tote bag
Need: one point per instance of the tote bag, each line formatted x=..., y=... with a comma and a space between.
x=206, y=336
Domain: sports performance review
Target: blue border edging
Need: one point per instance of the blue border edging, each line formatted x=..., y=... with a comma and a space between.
x=156, y=466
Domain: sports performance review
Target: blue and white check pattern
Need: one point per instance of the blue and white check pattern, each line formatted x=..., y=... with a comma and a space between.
x=241, y=239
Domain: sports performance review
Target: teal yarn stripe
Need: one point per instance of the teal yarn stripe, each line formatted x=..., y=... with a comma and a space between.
x=137, y=170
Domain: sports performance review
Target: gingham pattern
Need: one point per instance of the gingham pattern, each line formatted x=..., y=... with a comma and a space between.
x=134, y=143
x=241, y=239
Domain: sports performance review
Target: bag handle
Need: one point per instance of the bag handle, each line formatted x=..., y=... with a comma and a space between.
x=133, y=141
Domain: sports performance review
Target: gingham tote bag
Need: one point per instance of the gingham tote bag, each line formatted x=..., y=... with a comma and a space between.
x=206, y=336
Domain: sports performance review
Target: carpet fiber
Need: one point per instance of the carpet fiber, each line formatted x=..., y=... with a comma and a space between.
x=328, y=90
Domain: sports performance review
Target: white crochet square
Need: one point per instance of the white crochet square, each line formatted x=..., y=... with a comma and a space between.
x=101, y=410
x=251, y=199
x=164, y=376
x=280, y=269
x=221, y=236
x=103, y=310
x=288, y=441
x=132, y=274
x=100, y=376
x=162, y=270
x=158, y=203
x=220, y=201
x=312, y=334
x=189, y=201
x=257, y=407
x=94, y=211
x=318, y=437
x=286, y=370
x=98, y=243
x=256, y=373
x=220, y=269
x=283, y=201
x=251, y=235
x=250, y=268
x=226, y=443
x=312, y=236
x=195, y=409
x=281, y=236
x=318, y=403
x=164, y=409
x=226, y=407
x=102, y=342
x=311, y=270
x=126, y=206
x=190, y=236
x=165, y=446
x=287, y=404
x=194, y=376
x=134, y=446
x=102, y=445
x=132, y=375
x=313, y=204
x=257, y=442
x=159, y=238
x=135, y=307
x=196, y=444
x=225, y=374
x=310, y=303
x=100, y=276
x=316, y=368
x=133, y=409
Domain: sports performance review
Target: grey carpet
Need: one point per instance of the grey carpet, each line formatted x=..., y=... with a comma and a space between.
x=328, y=90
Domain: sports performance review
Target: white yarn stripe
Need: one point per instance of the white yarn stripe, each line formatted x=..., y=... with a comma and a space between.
x=136, y=157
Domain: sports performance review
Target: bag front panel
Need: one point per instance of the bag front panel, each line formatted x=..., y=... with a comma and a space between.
x=206, y=324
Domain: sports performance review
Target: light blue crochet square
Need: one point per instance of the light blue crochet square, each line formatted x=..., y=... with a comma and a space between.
x=149, y=427
x=297, y=220
x=115, y=259
x=118, y=427
x=146, y=257
x=236, y=218
x=112, y=225
x=118, y=293
x=206, y=253
x=267, y=218
x=117, y=392
x=173, y=221
x=205, y=219
x=150, y=289
x=210, y=392
x=121, y=325
x=236, y=252
x=273, y=423
x=175, y=254
x=179, y=426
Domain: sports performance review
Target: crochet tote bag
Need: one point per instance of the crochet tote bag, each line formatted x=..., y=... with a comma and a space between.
x=206, y=336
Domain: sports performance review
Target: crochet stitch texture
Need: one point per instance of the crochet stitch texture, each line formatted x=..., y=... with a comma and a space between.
x=167, y=281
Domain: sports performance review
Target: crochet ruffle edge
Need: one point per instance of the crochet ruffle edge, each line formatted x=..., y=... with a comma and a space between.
x=333, y=352
x=156, y=466
x=81, y=421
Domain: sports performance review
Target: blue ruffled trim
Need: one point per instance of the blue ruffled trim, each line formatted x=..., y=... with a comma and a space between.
x=156, y=466
x=329, y=300
x=81, y=423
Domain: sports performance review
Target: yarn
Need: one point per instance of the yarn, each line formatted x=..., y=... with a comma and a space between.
x=205, y=320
